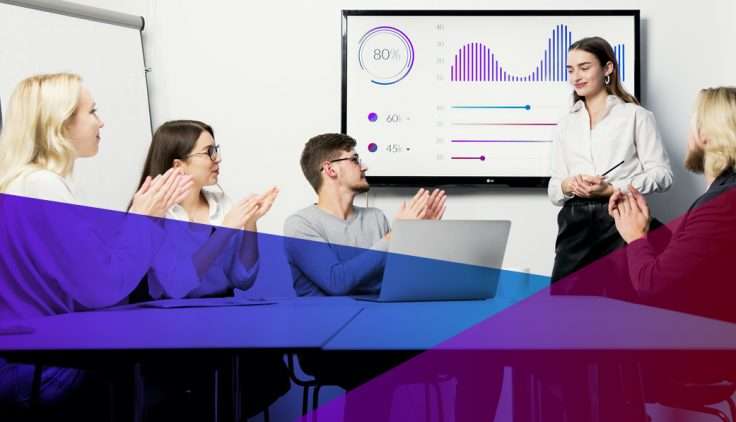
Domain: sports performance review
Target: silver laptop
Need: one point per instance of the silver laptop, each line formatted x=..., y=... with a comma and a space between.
x=443, y=260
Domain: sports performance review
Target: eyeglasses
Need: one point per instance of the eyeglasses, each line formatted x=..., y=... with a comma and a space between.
x=355, y=159
x=213, y=151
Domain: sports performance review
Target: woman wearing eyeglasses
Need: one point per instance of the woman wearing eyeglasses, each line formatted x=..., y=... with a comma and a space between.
x=208, y=259
x=203, y=260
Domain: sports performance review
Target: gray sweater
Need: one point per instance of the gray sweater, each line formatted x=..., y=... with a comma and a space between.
x=329, y=256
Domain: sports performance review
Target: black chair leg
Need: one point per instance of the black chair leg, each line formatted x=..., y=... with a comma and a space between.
x=236, y=393
x=36, y=387
x=111, y=401
x=34, y=412
x=427, y=403
x=216, y=395
x=315, y=402
x=139, y=393
x=266, y=415
x=440, y=408
x=305, y=400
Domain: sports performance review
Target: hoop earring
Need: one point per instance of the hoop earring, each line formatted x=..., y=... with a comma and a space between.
x=607, y=80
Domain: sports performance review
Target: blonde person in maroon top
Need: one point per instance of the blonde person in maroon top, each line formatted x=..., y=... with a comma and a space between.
x=692, y=274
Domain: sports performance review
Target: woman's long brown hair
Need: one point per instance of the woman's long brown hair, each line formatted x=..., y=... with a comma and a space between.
x=603, y=51
x=172, y=140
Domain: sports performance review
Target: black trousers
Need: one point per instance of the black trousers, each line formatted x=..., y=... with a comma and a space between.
x=586, y=235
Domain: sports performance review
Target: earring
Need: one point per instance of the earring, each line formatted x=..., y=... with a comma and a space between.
x=607, y=80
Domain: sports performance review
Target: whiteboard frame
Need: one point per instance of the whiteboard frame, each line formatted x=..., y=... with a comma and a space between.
x=132, y=27
x=96, y=14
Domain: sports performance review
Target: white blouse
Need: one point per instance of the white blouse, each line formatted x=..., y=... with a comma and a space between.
x=43, y=184
x=173, y=274
x=626, y=132
x=219, y=204
x=58, y=257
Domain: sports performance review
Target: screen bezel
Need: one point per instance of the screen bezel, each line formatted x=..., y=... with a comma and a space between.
x=490, y=180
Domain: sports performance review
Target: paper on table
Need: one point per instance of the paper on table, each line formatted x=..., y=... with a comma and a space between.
x=205, y=302
x=15, y=329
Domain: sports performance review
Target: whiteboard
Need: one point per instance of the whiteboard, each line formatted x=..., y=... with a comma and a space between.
x=109, y=58
x=466, y=97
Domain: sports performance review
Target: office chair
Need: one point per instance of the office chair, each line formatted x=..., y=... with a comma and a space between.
x=315, y=383
x=697, y=397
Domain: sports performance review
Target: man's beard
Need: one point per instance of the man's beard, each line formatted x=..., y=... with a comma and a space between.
x=363, y=188
x=695, y=160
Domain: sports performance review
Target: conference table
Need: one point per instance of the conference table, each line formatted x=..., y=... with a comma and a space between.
x=542, y=322
x=212, y=333
x=511, y=331
x=616, y=340
x=258, y=324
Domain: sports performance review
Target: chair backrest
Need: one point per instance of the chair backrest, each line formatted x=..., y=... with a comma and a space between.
x=140, y=293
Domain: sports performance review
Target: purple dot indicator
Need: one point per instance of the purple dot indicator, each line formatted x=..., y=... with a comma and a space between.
x=372, y=117
x=482, y=158
x=372, y=147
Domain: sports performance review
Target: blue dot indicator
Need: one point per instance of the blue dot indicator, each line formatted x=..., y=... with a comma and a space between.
x=372, y=117
x=372, y=147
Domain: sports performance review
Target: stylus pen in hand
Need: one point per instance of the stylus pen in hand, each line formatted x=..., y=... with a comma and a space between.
x=612, y=169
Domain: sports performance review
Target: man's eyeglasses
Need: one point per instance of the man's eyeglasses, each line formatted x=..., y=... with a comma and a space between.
x=355, y=159
x=213, y=151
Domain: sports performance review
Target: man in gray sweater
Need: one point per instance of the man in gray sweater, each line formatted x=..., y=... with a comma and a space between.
x=337, y=249
x=346, y=244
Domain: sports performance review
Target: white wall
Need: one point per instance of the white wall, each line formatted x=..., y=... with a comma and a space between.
x=267, y=76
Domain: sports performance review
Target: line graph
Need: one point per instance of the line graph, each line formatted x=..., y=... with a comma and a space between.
x=475, y=62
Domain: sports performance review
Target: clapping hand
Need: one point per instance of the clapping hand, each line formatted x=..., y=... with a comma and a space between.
x=248, y=210
x=157, y=195
x=631, y=214
x=436, y=205
x=423, y=206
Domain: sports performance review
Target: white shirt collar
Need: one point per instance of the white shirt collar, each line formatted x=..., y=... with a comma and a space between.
x=611, y=101
x=214, y=201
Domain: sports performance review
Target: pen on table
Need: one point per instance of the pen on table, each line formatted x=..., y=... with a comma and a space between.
x=612, y=169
